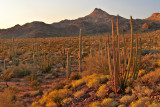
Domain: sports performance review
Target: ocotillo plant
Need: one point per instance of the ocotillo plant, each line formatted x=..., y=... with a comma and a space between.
x=80, y=51
x=68, y=70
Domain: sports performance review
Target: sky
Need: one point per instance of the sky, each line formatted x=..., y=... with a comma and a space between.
x=14, y=12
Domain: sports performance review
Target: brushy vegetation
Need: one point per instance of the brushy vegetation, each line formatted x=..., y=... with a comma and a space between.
x=97, y=71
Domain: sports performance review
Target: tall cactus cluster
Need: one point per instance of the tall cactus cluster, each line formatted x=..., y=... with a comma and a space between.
x=12, y=52
x=46, y=61
x=121, y=66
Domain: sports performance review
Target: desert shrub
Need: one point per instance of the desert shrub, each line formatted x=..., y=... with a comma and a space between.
x=80, y=93
x=95, y=64
x=141, y=91
x=8, y=99
x=155, y=65
x=67, y=100
x=158, y=88
x=77, y=83
x=31, y=77
x=109, y=102
x=6, y=76
x=154, y=104
x=75, y=76
x=127, y=99
x=54, y=98
x=22, y=70
x=122, y=105
x=59, y=85
x=102, y=91
x=128, y=90
x=35, y=104
x=95, y=104
x=35, y=84
x=55, y=74
x=147, y=60
x=94, y=80
x=141, y=72
x=93, y=83
x=152, y=78
x=67, y=86
x=142, y=102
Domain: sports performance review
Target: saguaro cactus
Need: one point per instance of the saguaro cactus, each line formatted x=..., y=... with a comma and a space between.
x=13, y=52
x=68, y=70
x=4, y=64
x=80, y=51
x=33, y=53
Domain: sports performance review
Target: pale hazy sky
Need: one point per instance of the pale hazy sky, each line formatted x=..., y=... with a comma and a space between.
x=14, y=12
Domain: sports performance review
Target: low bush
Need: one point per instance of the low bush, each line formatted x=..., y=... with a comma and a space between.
x=80, y=93
x=8, y=98
x=75, y=76
x=95, y=104
x=22, y=70
x=142, y=102
x=141, y=91
x=109, y=102
x=127, y=99
x=102, y=91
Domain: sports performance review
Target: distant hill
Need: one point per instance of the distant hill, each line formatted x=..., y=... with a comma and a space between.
x=97, y=22
x=154, y=16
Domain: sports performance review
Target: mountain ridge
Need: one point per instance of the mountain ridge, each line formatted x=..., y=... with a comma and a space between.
x=96, y=22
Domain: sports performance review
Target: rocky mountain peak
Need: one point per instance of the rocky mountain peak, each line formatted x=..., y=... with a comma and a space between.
x=154, y=16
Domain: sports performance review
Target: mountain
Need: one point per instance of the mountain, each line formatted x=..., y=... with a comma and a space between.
x=154, y=16
x=97, y=22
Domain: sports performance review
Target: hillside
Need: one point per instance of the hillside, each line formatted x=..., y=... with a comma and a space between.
x=97, y=22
